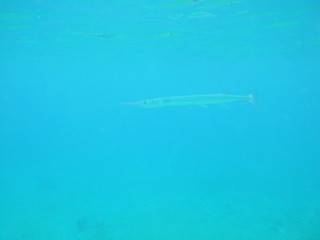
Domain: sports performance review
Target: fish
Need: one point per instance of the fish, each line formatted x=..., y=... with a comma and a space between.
x=190, y=100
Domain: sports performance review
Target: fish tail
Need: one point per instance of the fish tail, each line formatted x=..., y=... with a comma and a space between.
x=252, y=100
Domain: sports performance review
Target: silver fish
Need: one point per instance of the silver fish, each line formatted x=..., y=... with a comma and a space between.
x=190, y=100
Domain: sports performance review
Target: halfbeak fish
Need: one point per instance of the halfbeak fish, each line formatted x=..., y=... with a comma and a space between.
x=190, y=100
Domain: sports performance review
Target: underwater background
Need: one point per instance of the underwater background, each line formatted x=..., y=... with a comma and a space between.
x=77, y=165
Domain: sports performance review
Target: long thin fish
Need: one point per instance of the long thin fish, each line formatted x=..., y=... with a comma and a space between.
x=190, y=100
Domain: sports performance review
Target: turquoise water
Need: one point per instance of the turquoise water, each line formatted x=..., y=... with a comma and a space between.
x=77, y=165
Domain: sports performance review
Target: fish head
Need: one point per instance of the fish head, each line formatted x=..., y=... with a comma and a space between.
x=148, y=103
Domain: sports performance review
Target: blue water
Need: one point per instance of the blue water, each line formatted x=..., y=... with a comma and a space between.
x=77, y=165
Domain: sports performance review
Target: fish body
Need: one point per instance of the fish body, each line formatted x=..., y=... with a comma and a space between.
x=189, y=100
